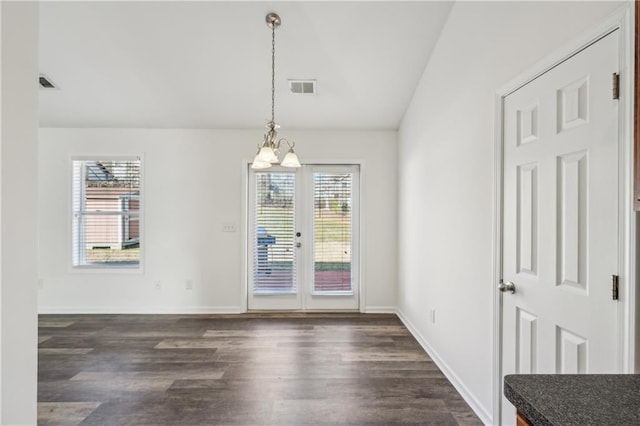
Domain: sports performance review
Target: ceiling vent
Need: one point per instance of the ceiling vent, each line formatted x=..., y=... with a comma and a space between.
x=302, y=87
x=46, y=83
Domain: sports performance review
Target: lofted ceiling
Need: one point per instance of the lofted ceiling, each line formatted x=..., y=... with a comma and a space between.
x=208, y=64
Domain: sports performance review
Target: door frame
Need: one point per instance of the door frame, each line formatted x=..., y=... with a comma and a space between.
x=243, y=227
x=622, y=21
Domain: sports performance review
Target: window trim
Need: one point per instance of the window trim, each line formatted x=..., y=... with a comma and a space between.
x=72, y=232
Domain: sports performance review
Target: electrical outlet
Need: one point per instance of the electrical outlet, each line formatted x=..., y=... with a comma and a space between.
x=158, y=285
x=229, y=227
x=432, y=315
x=189, y=285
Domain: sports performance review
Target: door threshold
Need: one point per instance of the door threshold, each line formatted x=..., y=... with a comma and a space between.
x=303, y=314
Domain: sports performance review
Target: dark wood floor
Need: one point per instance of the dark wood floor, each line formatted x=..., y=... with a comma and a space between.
x=245, y=369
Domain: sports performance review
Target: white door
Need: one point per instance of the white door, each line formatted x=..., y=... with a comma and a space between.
x=332, y=272
x=303, y=238
x=274, y=258
x=560, y=219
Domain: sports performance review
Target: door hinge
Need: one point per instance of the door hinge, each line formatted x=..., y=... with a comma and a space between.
x=614, y=287
x=615, y=85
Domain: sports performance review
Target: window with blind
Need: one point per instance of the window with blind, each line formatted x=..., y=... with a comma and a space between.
x=106, y=213
x=332, y=224
x=274, y=268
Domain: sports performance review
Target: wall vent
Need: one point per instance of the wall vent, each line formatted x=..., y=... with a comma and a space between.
x=46, y=82
x=302, y=87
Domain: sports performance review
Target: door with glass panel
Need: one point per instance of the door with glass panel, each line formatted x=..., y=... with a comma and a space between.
x=303, y=238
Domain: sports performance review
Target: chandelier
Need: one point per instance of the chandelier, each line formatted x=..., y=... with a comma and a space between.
x=269, y=149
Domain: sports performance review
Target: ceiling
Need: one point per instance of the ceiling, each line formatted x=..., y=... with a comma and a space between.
x=208, y=64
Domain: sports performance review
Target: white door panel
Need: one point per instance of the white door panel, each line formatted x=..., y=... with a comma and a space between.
x=274, y=259
x=332, y=275
x=560, y=219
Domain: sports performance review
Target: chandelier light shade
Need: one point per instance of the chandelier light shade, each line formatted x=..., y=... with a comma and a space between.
x=291, y=159
x=259, y=163
x=269, y=149
x=267, y=155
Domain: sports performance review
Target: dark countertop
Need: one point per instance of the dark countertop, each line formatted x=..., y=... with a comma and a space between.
x=573, y=399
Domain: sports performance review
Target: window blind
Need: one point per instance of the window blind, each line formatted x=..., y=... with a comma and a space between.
x=106, y=213
x=332, y=224
x=274, y=268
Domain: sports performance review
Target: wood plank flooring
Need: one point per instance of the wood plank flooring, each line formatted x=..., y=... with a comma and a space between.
x=252, y=369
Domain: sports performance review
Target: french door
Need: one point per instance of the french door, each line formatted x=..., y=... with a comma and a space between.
x=303, y=238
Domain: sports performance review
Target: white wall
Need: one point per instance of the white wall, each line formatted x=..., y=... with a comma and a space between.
x=445, y=176
x=18, y=213
x=193, y=183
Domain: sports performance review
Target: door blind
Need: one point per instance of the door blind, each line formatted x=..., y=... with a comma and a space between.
x=274, y=268
x=332, y=225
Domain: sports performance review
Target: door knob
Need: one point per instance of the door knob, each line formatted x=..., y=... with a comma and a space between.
x=298, y=245
x=507, y=286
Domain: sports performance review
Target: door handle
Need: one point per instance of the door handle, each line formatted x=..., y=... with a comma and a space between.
x=507, y=286
x=298, y=245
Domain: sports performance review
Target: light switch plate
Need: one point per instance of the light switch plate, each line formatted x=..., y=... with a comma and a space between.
x=229, y=227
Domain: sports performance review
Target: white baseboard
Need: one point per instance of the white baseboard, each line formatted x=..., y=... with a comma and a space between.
x=379, y=310
x=175, y=310
x=469, y=398
x=142, y=310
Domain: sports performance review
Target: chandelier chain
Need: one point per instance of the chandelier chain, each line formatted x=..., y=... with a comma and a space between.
x=269, y=150
x=273, y=74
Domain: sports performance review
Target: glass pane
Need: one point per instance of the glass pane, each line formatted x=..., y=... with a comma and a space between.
x=106, y=203
x=112, y=240
x=274, y=269
x=112, y=186
x=332, y=232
